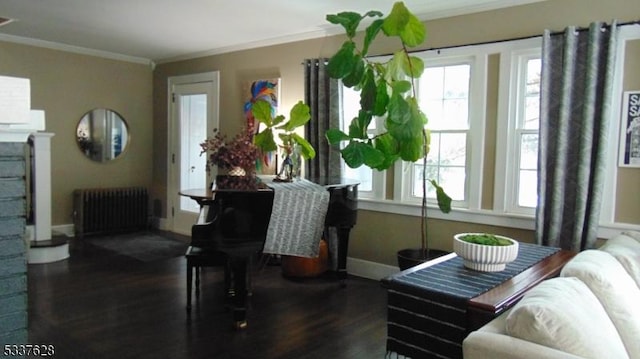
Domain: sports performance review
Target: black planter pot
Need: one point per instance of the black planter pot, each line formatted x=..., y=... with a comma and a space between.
x=411, y=257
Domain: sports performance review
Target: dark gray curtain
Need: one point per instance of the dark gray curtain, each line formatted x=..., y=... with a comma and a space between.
x=322, y=95
x=577, y=72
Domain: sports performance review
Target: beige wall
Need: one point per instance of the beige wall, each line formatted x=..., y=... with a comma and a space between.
x=66, y=85
x=378, y=236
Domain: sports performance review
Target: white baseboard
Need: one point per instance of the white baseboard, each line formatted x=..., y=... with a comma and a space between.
x=369, y=270
x=40, y=255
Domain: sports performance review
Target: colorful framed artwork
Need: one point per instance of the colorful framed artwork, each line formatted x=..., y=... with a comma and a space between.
x=630, y=130
x=268, y=90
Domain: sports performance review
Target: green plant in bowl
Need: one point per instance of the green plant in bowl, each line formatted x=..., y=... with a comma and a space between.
x=486, y=239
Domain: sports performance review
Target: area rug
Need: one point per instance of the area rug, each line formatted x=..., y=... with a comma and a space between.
x=143, y=246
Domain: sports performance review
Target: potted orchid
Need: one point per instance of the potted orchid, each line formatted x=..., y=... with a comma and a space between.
x=237, y=156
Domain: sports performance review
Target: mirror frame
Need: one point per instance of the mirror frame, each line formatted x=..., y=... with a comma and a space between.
x=104, y=123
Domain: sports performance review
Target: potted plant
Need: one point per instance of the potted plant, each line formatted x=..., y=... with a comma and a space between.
x=236, y=157
x=292, y=144
x=485, y=252
x=386, y=89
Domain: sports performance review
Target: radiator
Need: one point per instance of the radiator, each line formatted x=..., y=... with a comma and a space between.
x=108, y=210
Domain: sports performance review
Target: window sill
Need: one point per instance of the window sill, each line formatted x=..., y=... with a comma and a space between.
x=508, y=220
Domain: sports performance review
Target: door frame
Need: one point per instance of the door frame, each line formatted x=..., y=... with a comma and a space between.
x=212, y=77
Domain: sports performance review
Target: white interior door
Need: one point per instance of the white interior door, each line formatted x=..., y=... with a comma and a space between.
x=194, y=114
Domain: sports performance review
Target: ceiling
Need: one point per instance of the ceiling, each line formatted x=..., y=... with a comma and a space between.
x=165, y=30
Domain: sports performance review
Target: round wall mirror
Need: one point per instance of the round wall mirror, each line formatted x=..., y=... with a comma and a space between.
x=102, y=135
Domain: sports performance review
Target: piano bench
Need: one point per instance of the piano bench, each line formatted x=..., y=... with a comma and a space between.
x=201, y=257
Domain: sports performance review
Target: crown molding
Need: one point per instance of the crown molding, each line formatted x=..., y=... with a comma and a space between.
x=75, y=49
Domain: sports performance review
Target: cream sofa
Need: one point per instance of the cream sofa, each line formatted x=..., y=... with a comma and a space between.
x=592, y=310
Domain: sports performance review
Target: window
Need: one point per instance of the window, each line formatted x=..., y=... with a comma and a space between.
x=451, y=93
x=454, y=93
x=518, y=151
x=527, y=124
x=371, y=182
x=443, y=93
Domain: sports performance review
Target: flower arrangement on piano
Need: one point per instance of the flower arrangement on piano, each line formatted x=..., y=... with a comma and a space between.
x=238, y=153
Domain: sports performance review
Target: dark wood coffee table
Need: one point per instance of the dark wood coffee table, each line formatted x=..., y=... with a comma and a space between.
x=425, y=320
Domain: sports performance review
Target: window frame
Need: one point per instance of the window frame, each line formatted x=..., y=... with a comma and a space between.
x=378, y=178
x=404, y=172
x=512, y=85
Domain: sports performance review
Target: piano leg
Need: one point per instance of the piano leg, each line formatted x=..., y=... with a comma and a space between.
x=343, y=248
x=239, y=300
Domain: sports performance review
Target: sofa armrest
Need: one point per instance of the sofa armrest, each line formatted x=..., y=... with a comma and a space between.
x=482, y=345
x=492, y=341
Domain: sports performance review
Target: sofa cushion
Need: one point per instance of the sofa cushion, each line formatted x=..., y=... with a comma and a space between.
x=633, y=234
x=564, y=314
x=616, y=291
x=626, y=250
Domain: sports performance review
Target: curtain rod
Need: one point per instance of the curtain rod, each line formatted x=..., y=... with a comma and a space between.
x=580, y=29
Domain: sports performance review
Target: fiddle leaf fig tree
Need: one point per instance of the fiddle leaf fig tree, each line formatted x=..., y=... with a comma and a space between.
x=387, y=90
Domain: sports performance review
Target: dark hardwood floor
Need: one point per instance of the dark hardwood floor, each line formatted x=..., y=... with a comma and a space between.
x=98, y=304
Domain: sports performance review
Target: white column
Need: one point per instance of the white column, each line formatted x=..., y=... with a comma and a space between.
x=42, y=185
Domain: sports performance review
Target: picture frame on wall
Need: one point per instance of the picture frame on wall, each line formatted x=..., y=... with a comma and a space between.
x=630, y=130
x=267, y=89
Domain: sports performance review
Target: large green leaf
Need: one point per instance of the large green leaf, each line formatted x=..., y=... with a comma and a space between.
x=348, y=19
x=368, y=92
x=401, y=22
x=398, y=111
x=358, y=126
x=395, y=67
x=335, y=136
x=408, y=121
x=261, y=110
x=264, y=140
x=413, y=66
x=444, y=201
x=389, y=147
x=277, y=120
x=370, y=34
x=306, y=150
x=298, y=116
x=414, y=32
x=411, y=149
x=343, y=62
x=352, y=155
x=382, y=98
x=357, y=153
x=401, y=86
x=373, y=13
x=397, y=20
x=351, y=20
x=355, y=77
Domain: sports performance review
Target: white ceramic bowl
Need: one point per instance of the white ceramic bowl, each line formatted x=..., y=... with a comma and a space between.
x=485, y=258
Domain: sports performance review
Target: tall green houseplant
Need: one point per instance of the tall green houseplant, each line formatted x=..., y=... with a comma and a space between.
x=387, y=90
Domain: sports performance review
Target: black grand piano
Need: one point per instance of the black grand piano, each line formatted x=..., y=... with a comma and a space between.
x=233, y=223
